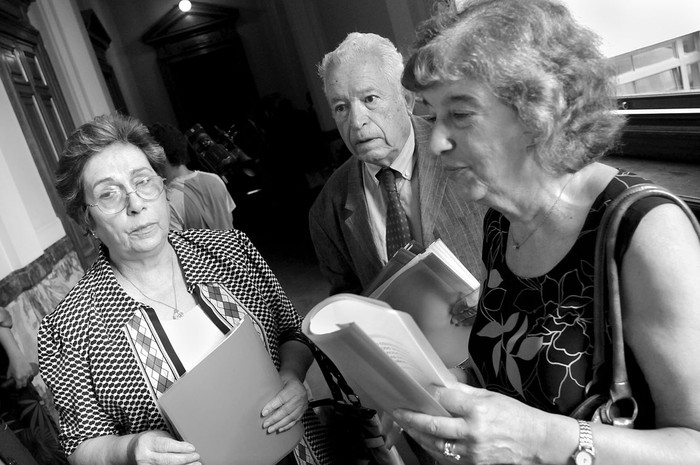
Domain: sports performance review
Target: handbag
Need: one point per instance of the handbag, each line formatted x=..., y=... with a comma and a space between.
x=609, y=397
x=352, y=430
x=12, y=451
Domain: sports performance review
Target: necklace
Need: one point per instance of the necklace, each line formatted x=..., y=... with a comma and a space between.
x=516, y=244
x=177, y=314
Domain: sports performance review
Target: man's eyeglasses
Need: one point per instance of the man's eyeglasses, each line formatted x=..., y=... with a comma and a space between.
x=114, y=199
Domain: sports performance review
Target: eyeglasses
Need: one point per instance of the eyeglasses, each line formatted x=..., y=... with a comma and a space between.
x=114, y=199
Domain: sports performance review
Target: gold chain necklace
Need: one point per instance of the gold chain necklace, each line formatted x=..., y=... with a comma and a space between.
x=516, y=244
x=177, y=314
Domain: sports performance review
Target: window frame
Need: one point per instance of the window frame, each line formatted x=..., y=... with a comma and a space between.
x=661, y=127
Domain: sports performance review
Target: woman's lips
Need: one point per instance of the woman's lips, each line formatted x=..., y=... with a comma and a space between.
x=144, y=229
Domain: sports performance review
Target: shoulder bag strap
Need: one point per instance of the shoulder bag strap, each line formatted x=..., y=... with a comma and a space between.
x=339, y=387
x=607, y=291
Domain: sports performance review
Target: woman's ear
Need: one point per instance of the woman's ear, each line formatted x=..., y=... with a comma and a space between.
x=89, y=223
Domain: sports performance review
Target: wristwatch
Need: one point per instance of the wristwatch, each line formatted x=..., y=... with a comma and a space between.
x=585, y=453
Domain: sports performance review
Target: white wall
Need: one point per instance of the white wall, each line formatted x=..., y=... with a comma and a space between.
x=72, y=58
x=627, y=25
x=28, y=224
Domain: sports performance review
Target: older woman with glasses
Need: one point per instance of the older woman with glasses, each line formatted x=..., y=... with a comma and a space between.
x=151, y=306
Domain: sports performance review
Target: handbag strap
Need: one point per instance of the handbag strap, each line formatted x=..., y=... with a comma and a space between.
x=339, y=387
x=607, y=272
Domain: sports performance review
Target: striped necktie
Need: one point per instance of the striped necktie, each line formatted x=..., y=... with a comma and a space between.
x=398, y=233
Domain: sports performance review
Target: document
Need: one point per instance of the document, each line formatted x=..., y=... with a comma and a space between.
x=379, y=349
x=216, y=405
x=427, y=287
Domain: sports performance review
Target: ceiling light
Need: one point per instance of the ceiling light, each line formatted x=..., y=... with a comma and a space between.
x=185, y=5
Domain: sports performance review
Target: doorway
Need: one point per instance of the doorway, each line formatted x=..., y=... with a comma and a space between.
x=214, y=88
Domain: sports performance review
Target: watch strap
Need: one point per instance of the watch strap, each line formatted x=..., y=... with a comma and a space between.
x=585, y=436
x=585, y=452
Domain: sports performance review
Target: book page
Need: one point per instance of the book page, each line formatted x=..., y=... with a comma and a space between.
x=395, y=333
x=380, y=350
x=403, y=358
x=428, y=298
x=450, y=259
x=427, y=288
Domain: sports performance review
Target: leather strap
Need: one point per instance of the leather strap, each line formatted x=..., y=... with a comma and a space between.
x=607, y=293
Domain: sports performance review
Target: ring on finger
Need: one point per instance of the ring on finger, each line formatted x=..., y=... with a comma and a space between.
x=449, y=451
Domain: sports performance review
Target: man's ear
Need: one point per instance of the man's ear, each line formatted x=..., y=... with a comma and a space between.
x=410, y=100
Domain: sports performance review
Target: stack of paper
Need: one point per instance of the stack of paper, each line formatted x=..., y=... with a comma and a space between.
x=427, y=287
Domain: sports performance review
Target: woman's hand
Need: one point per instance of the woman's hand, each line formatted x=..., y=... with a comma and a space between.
x=486, y=428
x=159, y=448
x=147, y=448
x=287, y=407
x=19, y=372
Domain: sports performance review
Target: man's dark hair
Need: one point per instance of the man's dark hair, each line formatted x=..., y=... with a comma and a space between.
x=173, y=141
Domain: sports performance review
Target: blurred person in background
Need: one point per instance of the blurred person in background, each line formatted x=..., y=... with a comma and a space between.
x=198, y=199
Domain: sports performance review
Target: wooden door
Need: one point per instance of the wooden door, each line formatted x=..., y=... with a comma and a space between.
x=38, y=103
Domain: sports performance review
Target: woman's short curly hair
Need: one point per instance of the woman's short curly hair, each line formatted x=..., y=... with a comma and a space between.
x=90, y=139
x=533, y=56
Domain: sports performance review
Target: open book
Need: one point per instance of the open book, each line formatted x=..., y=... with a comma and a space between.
x=216, y=405
x=427, y=287
x=380, y=350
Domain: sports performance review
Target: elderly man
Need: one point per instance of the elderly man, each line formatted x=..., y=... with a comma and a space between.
x=348, y=221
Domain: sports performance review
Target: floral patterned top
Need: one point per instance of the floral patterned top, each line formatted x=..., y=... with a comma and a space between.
x=532, y=338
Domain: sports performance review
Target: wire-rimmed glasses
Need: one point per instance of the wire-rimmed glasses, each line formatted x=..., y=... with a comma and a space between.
x=114, y=199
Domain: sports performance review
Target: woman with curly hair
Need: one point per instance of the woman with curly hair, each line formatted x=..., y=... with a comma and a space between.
x=523, y=110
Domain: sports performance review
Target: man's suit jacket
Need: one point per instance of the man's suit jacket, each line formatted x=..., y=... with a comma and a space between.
x=340, y=228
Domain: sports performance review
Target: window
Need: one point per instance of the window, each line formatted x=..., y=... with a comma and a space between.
x=671, y=66
x=655, y=48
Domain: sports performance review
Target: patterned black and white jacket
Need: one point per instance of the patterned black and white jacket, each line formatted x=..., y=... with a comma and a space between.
x=105, y=356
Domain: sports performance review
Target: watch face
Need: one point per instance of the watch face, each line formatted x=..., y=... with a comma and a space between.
x=583, y=457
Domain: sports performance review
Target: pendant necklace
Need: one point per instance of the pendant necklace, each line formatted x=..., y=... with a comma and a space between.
x=516, y=244
x=177, y=314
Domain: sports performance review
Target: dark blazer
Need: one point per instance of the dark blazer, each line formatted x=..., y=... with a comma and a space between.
x=340, y=229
